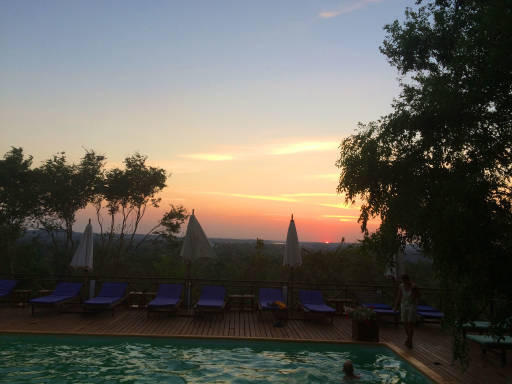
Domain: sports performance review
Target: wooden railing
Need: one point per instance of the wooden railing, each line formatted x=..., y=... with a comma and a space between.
x=355, y=291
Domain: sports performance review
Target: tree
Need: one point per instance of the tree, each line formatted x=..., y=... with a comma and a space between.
x=169, y=225
x=18, y=199
x=66, y=188
x=438, y=169
x=126, y=193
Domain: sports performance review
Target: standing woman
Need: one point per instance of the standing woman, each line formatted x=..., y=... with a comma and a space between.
x=408, y=295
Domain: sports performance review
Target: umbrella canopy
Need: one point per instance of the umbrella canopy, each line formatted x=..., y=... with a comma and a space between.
x=83, y=257
x=292, y=256
x=195, y=244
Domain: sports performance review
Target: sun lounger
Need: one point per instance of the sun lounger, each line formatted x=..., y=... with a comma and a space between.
x=377, y=305
x=483, y=327
x=313, y=301
x=167, y=298
x=267, y=299
x=110, y=296
x=493, y=342
x=476, y=326
x=6, y=287
x=429, y=313
x=211, y=299
x=64, y=292
x=383, y=310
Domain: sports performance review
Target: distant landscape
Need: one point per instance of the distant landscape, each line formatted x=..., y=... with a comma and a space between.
x=235, y=259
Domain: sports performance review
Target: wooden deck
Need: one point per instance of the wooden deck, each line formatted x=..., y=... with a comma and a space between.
x=432, y=347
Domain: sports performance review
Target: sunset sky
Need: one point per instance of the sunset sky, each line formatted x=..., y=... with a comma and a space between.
x=244, y=103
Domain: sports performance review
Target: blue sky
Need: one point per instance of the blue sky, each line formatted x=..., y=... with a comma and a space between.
x=210, y=90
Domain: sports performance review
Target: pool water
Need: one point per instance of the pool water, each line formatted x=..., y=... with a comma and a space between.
x=76, y=359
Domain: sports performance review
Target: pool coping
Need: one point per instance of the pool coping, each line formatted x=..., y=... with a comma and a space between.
x=432, y=375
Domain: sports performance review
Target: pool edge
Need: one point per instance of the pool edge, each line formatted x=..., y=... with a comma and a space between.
x=432, y=375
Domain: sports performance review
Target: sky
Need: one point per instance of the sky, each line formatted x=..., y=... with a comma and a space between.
x=243, y=103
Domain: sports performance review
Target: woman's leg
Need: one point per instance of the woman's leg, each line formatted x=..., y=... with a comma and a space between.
x=411, y=333
x=407, y=326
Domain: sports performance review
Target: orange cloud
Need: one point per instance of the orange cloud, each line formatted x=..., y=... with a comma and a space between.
x=329, y=14
x=344, y=218
x=256, y=197
x=346, y=9
x=339, y=205
x=209, y=156
x=312, y=194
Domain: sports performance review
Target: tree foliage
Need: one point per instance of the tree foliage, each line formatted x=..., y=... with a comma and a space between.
x=171, y=222
x=169, y=226
x=50, y=196
x=126, y=194
x=438, y=169
x=18, y=199
x=66, y=188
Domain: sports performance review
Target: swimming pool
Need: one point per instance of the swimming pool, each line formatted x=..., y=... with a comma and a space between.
x=76, y=359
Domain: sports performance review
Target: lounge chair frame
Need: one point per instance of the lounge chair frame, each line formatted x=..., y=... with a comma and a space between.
x=201, y=310
x=315, y=313
x=59, y=304
x=271, y=295
x=7, y=289
x=98, y=307
x=383, y=310
x=428, y=314
x=488, y=342
x=171, y=308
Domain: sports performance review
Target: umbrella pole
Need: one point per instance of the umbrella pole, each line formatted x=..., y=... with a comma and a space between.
x=291, y=289
x=189, y=284
x=87, y=287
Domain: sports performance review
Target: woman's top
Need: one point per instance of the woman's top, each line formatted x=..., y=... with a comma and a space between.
x=408, y=299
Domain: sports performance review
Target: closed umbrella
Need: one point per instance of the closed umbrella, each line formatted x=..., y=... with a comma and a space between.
x=292, y=255
x=83, y=257
x=195, y=246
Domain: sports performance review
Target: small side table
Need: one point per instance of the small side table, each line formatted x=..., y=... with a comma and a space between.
x=136, y=300
x=20, y=297
x=242, y=301
x=340, y=304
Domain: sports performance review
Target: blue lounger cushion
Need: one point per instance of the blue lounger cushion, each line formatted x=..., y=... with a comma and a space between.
x=312, y=300
x=431, y=315
x=428, y=312
x=386, y=312
x=168, y=295
x=381, y=309
x=319, y=308
x=426, y=308
x=6, y=287
x=377, y=306
x=63, y=291
x=268, y=296
x=110, y=294
x=212, y=296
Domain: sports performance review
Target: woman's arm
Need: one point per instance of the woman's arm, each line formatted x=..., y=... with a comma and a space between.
x=415, y=294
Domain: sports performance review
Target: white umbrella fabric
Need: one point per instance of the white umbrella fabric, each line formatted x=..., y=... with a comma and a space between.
x=292, y=255
x=84, y=255
x=195, y=246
